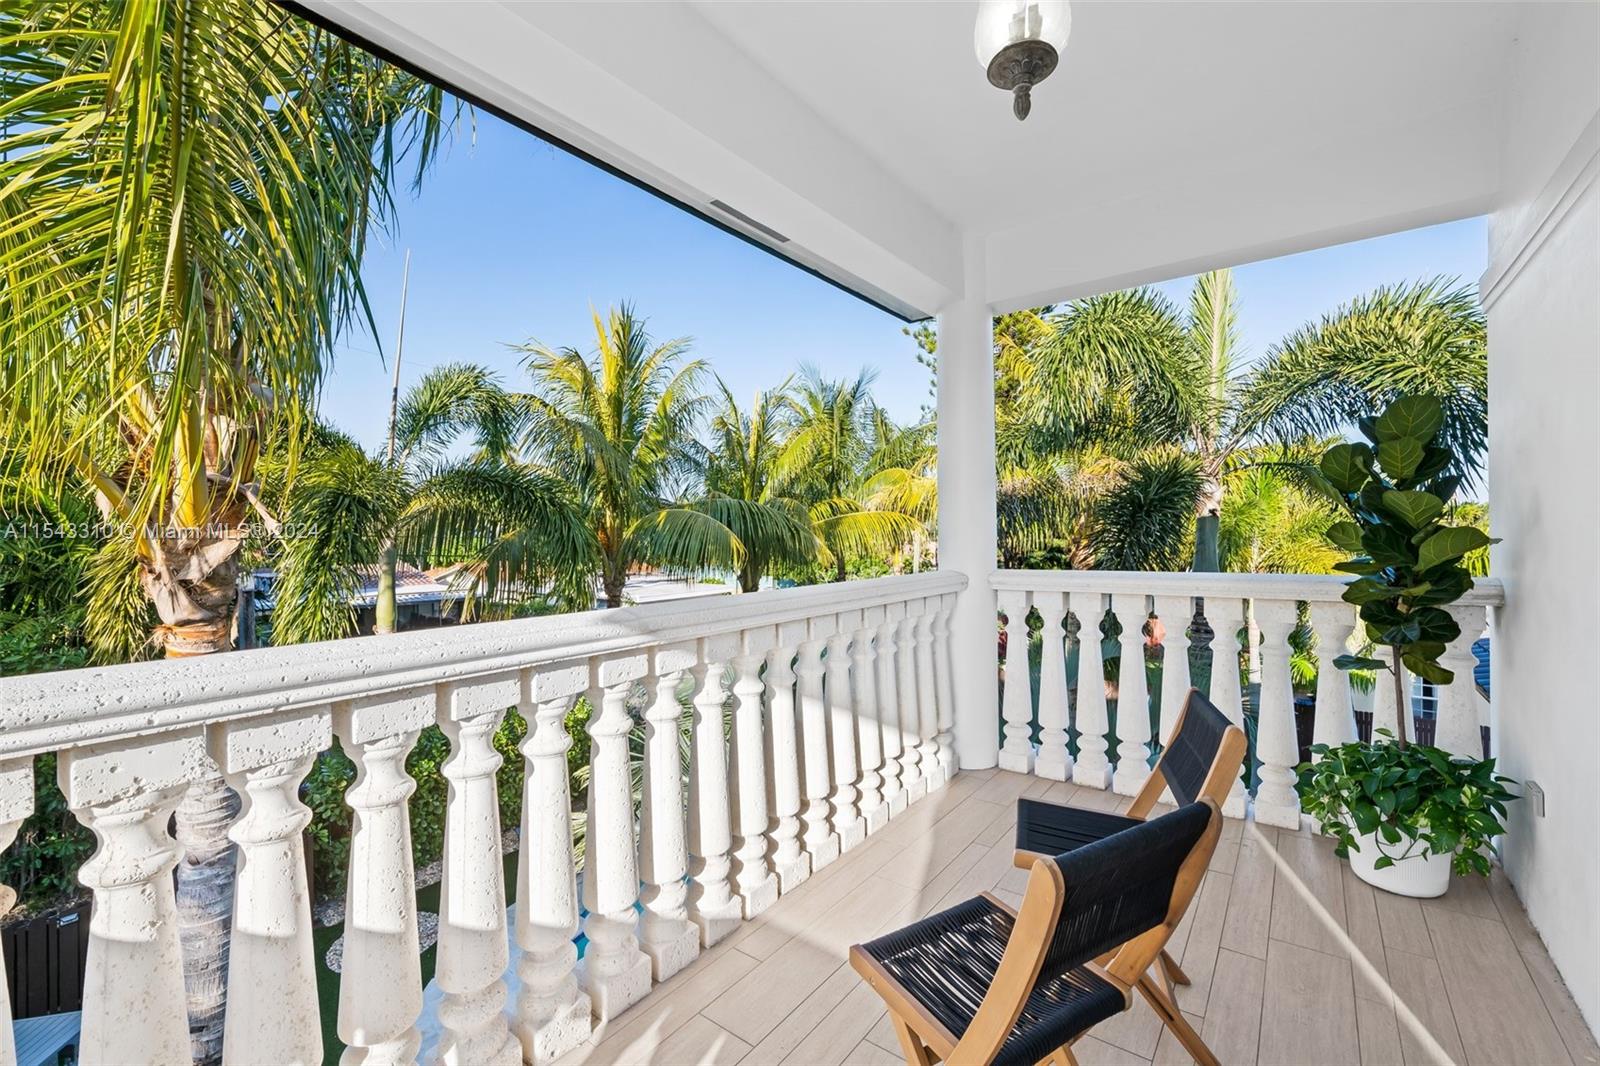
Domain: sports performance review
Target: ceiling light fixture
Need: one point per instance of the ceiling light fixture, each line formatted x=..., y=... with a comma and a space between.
x=1019, y=42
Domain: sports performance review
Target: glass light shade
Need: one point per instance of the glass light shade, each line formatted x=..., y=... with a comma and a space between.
x=1005, y=22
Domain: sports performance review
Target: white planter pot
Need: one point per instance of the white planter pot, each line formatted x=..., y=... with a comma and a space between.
x=1417, y=875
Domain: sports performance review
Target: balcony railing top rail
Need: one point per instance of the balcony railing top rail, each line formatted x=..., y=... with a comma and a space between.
x=1311, y=588
x=45, y=712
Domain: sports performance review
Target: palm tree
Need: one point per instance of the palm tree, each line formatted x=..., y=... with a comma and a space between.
x=827, y=461
x=187, y=193
x=1426, y=338
x=619, y=426
x=741, y=489
x=518, y=529
x=1128, y=371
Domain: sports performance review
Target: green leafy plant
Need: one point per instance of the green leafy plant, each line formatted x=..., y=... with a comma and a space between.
x=1411, y=801
x=1394, y=490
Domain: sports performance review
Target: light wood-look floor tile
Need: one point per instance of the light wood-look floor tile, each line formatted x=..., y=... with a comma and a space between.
x=1499, y=1013
x=1308, y=1014
x=1274, y=956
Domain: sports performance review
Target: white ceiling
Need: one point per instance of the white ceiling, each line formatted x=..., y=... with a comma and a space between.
x=1148, y=92
x=1174, y=135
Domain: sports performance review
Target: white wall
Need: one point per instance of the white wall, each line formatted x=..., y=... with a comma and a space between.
x=1542, y=295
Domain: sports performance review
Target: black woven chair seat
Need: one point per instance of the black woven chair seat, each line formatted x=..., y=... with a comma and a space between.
x=946, y=962
x=1054, y=828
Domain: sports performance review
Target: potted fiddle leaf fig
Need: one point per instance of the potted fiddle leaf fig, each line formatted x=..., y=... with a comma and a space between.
x=1404, y=814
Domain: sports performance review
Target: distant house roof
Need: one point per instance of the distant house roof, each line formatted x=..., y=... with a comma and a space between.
x=411, y=586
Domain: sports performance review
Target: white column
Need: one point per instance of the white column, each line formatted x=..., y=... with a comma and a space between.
x=713, y=906
x=1093, y=769
x=614, y=970
x=552, y=1013
x=792, y=865
x=1133, y=698
x=1456, y=730
x=754, y=880
x=1335, y=716
x=821, y=843
x=380, y=985
x=1225, y=615
x=666, y=934
x=869, y=731
x=125, y=792
x=272, y=976
x=894, y=793
x=912, y=774
x=844, y=804
x=943, y=656
x=1278, y=751
x=473, y=951
x=1175, y=612
x=1054, y=761
x=927, y=696
x=1017, y=705
x=16, y=803
x=967, y=503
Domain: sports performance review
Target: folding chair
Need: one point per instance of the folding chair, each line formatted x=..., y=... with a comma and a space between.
x=979, y=983
x=1201, y=759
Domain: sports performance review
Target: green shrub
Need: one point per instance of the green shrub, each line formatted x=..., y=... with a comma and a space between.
x=43, y=864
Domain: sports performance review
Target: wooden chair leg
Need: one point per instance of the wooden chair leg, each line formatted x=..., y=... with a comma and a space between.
x=1175, y=972
x=1172, y=1017
x=911, y=1044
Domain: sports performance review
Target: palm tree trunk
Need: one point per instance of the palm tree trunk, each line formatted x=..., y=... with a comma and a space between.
x=838, y=566
x=614, y=584
x=1207, y=523
x=196, y=621
x=384, y=610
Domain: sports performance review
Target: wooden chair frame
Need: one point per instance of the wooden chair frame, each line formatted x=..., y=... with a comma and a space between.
x=925, y=1040
x=1225, y=766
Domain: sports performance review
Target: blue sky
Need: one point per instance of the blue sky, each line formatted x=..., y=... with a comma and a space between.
x=513, y=239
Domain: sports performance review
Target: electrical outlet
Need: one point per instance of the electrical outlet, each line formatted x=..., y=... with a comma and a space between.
x=1533, y=796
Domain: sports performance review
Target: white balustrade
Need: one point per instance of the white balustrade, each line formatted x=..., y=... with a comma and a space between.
x=1092, y=769
x=1456, y=729
x=665, y=933
x=1277, y=750
x=888, y=705
x=927, y=699
x=789, y=862
x=821, y=842
x=1333, y=624
x=552, y=1014
x=943, y=654
x=844, y=804
x=614, y=970
x=912, y=774
x=713, y=906
x=1175, y=613
x=1053, y=760
x=1274, y=607
x=1016, y=754
x=1133, y=697
x=380, y=987
x=473, y=949
x=125, y=791
x=754, y=880
x=1225, y=614
x=271, y=972
x=845, y=689
x=869, y=730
